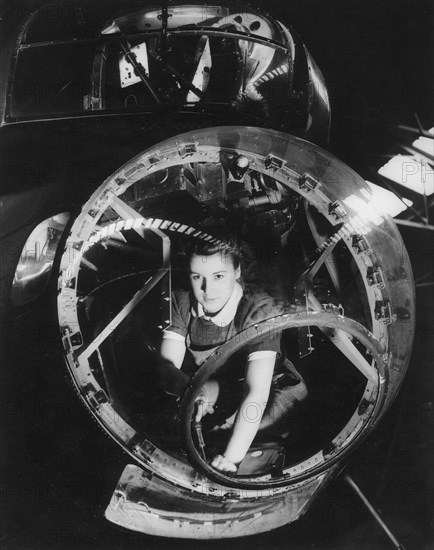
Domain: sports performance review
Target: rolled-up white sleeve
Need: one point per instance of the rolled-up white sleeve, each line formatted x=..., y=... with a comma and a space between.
x=170, y=335
x=263, y=354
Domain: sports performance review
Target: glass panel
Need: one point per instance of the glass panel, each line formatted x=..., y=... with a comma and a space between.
x=51, y=80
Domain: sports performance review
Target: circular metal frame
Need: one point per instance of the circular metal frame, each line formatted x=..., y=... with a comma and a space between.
x=336, y=192
x=353, y=432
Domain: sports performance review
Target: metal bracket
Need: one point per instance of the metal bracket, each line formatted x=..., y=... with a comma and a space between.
x=360, y=244
x=337, y=210
x=273, y=163
x=97, y=398
x=383, y=312
x=375, y=276
x=307, y=183
x=187, y=149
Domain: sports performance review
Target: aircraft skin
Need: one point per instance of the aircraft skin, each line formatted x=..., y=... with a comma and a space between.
x=96, y=157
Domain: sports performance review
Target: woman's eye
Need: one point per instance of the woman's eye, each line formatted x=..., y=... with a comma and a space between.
x=220, y=276
x=194, y=277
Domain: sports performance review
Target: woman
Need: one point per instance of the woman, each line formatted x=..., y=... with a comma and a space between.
x=213, y=311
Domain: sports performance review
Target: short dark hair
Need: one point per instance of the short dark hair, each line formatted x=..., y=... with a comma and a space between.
x=227, y=247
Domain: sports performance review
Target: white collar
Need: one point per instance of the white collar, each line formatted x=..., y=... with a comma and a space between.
x=228, y=311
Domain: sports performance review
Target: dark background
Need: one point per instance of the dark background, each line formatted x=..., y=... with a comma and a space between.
x=59, y=470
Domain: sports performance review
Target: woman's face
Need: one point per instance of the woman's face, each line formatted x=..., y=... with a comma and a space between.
x=212, y=280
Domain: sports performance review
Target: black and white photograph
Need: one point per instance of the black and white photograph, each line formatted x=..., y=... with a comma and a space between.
x=217, y=275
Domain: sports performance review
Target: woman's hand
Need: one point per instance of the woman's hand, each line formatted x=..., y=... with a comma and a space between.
x=206, y=399
x=223, y=464
x=203, y=406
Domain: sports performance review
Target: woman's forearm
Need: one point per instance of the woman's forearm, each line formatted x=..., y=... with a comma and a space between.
x=245, y=428
x=257, y=384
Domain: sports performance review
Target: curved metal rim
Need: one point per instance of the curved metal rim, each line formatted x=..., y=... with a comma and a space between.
x=217, y=360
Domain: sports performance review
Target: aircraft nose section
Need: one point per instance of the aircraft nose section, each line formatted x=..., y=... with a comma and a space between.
x=343, y=311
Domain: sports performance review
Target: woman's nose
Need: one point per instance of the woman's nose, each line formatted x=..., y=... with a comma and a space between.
x=206, y=286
